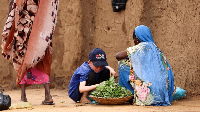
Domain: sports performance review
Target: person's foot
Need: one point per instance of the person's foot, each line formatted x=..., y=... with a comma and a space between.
x=23, y=92
x=85, y=100
x=24, y=99
x=47, y=103
x=48, y=99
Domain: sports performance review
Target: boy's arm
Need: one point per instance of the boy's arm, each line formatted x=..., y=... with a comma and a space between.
x=83, y=88
x=112, y=71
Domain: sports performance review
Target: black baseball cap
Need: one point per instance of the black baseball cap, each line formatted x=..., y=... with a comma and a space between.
x=98, y=57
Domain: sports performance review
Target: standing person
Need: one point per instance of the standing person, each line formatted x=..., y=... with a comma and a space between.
x=27, y=41
x=89, y=75
x=150, y=74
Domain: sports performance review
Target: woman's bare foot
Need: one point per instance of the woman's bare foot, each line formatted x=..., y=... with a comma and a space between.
x=23, y=93
x=24, y=99
x=48, y=98
x=84, y=100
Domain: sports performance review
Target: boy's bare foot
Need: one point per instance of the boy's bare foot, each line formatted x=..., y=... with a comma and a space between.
x=85, y=100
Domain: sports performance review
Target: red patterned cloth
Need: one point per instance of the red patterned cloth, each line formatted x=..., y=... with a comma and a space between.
x=35, y=76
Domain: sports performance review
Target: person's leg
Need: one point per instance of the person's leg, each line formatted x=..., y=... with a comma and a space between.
x=48, y=97
x=90, y=81
x=103, y=76
x=23, y=92
x=84, y=98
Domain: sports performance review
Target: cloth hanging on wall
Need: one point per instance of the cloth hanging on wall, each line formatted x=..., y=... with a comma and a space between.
x=118, y=5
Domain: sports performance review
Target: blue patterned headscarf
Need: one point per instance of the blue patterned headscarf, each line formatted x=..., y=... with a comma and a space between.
x=143, y=33
x=147, y=65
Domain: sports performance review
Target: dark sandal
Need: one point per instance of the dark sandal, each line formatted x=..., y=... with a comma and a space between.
x=47, y=103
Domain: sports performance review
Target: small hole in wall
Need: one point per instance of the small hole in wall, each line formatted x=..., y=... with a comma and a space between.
x=108, y=28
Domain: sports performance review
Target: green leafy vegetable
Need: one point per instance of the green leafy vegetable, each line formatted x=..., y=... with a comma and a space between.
x=110, y=89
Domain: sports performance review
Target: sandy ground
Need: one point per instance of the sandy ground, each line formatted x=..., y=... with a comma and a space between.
x=64, y=104
x=86, y=24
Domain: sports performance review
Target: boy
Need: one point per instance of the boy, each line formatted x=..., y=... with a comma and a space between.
x=89, y=75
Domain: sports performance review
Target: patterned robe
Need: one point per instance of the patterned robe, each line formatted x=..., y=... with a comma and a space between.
x=27, y=35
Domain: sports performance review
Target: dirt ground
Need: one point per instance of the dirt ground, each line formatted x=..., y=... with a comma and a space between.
x=86, y=24
x=64, y=104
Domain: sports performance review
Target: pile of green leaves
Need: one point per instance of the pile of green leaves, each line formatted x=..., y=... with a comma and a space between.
x=110, y=89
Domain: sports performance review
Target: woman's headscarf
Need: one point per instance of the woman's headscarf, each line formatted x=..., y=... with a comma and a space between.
x=143, y=33
x=147, y=65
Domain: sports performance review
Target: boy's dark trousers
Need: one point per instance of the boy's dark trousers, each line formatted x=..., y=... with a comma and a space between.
x=93, y=79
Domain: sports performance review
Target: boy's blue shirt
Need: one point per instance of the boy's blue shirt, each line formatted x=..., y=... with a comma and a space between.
x=80, y=75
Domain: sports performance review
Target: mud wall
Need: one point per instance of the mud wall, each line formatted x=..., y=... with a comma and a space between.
x=175, y=26
x=86, y=24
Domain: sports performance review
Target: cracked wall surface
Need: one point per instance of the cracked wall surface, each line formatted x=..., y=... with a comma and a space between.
x=84, y=25
x=175, y=26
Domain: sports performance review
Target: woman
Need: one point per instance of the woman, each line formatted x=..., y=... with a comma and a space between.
x=27, y=40
x=150, y=73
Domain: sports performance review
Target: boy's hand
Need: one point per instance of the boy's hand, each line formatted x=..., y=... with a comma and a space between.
x=113, y=73
x=102, y=83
